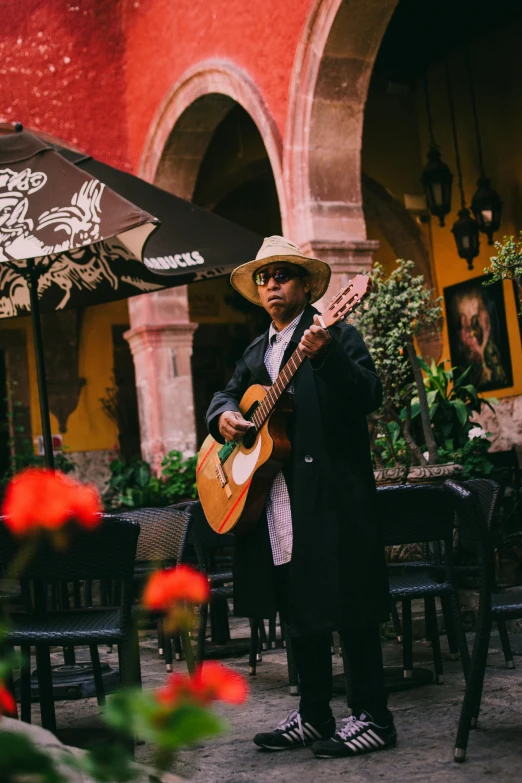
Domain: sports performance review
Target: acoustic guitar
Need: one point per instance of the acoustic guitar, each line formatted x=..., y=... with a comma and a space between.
x=233, y=479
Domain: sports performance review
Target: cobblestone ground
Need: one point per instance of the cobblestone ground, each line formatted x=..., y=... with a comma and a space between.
x=426, y=719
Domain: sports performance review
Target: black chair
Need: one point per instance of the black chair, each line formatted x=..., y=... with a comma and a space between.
x=106, y=553
x=423, y=514
x=492, y=605
x=162, y=543
x=506, y=471
x=489, y=494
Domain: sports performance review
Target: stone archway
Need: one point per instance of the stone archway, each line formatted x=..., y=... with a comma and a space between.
x=161, y=334
x=191, y=111
x=322, y=153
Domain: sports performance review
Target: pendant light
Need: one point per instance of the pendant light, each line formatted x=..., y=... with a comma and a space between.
x=436, y=178
x=486, y=203
x=465, y=229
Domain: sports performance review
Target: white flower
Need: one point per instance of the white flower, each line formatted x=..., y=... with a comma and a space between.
x=426, y=455
x=476, y=432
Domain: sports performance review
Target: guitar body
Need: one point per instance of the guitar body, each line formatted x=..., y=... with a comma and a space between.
x=233, y=488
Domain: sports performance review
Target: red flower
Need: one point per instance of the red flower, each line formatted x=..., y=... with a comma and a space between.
x=214, y=682
x=182, y=583
x=7, y=702
x=43, y=498
x=177, y=690
x=211, y=682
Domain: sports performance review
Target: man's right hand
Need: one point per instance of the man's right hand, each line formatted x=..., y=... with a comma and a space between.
x=232, y=425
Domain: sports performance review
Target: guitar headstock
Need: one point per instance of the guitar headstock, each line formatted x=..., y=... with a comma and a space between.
x=347, y=299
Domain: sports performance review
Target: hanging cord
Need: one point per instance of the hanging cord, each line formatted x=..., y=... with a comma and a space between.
x=467, y=60
x=428, y=109
x=455, y=140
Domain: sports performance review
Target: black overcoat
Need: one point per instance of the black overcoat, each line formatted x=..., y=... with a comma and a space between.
x=337, y=573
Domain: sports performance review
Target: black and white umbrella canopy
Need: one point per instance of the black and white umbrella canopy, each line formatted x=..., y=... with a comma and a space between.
x=191, y=244
x=65, y=222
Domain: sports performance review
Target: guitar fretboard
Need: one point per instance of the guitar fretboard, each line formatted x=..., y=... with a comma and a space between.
x=264, y=410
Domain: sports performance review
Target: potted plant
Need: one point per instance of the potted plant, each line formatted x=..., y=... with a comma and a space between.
x=422, y=431
x=398, y=309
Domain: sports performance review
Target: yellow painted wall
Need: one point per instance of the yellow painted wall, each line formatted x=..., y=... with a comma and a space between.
x=396, y=142
x=88, y=427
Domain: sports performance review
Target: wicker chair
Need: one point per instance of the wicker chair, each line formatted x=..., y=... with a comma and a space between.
x=106, y=553
x=492, y=605
x=162, y=543
x=423, y=514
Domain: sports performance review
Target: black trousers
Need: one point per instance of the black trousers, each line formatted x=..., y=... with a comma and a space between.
x=313, y=658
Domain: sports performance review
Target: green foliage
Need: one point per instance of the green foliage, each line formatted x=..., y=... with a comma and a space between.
x=452, y=401
x=388, y=446
x=398, y=308
x=28, y=459
x=507, y=264
x=134, y=485
x=136, y=713
x=107, y=763
x=19, y=756
x=473, y=457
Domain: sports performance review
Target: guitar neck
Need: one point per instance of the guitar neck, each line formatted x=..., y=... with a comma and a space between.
x=345, y=301
x=264, y=410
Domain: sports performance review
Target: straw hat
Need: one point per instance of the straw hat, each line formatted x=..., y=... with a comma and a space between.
x=276, y=249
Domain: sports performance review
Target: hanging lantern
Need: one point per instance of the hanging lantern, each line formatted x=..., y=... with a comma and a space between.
x=487, y=208
x=466, y=233
x=437, y=179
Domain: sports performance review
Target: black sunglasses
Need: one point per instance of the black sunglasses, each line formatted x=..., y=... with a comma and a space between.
x=281, y=275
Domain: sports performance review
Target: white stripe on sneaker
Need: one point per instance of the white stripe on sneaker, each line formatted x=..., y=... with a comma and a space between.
x=314, y=731
x=376, y=737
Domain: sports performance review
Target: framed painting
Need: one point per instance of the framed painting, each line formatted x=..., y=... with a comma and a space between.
x=478, y=335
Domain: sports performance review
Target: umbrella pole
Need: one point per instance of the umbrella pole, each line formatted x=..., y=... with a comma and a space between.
x=32, y=282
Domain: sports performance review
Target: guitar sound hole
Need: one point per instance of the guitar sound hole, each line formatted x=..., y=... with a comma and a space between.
x=249, y=438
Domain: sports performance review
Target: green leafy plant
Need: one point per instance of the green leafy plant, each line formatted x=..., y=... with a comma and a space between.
x=388, y=446
x=452, y=401
x=134, y=485
x=399, y=308
x=472, y=456
x=507, y=264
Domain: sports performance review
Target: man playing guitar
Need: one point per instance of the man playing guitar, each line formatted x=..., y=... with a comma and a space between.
x=315, y=554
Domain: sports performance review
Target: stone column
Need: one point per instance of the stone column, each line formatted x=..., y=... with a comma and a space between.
x=347, y=258
x=160, y=339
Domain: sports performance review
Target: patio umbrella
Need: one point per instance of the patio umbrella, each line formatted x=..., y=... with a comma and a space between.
x=191, y=244
x=50, y=212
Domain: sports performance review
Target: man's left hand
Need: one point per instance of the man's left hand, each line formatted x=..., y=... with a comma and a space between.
x=315, y=341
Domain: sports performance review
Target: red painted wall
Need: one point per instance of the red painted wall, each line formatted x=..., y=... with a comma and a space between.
x=61, y=71
x=94, y=72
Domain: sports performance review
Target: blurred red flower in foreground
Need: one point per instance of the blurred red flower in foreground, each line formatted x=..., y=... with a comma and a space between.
x=182, y=583
x=7, y=702
x=43, y=498
x=211, y=682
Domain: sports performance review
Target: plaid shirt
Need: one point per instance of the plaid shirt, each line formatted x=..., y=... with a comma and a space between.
x=278, y=511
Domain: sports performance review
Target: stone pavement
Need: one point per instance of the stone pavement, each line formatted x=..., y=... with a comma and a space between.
x=425, y=717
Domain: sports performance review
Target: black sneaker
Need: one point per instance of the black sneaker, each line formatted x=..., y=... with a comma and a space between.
x=357, y=735
x=294, y=732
